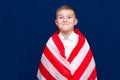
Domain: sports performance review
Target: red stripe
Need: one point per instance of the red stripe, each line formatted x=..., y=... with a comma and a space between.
x=81, y=41
x=45, y=73
x=75, y=51
x=57, y=64
x=59, y=44
x=83, y=65
x=93, y=75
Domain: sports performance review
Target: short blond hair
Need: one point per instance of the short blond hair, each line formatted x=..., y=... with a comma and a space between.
x=67, y=7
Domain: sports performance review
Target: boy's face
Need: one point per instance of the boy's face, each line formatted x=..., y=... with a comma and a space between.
x=66, y=20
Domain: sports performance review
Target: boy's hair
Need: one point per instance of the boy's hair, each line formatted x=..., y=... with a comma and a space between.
x=67, y=7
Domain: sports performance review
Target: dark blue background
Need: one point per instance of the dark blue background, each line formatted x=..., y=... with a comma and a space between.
x=26, y=25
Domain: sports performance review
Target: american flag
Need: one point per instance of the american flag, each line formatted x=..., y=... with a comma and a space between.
x=79, y=66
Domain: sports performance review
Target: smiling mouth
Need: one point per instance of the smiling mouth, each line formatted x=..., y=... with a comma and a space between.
x=65, y=24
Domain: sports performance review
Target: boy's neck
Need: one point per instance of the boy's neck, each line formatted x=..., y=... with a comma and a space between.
x=67, y=34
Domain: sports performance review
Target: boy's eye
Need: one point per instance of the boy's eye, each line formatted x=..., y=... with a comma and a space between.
x=60, y=17
x=69, y=17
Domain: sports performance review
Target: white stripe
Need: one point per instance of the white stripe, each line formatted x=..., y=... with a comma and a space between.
x=53, y=48
x=51, y=69
x=88, y=70
x=80, y=57
x=40, y=77
x=96, y=78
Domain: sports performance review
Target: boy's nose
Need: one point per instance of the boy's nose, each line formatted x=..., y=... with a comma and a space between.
x=65, y=19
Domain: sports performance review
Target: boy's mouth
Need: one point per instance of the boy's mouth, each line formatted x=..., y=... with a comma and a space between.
x=65, y=24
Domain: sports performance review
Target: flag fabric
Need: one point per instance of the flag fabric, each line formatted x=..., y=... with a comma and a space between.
x=79, y=66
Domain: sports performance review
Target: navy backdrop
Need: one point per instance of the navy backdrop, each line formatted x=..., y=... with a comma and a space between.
x=26, y=25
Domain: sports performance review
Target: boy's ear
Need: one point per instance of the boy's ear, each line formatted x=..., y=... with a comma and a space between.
x=56, y=21
x=76, y=21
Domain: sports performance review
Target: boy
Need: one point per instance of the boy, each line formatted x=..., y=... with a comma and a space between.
x=67, y=55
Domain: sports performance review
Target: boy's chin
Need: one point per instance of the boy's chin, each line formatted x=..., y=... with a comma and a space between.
x=66, y=30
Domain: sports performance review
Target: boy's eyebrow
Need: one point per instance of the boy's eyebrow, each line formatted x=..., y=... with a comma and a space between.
x=67, y=15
